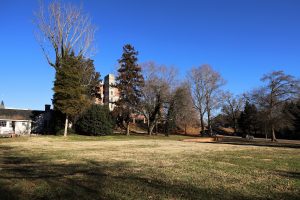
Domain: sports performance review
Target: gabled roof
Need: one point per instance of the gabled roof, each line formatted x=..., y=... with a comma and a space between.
x=18, y=114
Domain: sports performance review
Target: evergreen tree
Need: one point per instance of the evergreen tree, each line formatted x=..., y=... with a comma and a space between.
x=291, y=118
x=248, y=122
x=296, y=114
x=72, y=86
x=95, y=121
x=129, y=83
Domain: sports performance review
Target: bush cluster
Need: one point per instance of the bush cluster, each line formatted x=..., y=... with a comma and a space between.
x=95, y=121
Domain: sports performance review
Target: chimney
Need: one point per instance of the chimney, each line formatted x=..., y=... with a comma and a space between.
x=47, y=107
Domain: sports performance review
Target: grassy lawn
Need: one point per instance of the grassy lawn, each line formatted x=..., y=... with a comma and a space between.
x=142, y=167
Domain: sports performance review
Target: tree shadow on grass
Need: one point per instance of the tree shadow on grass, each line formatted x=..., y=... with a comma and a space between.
x=289, y=174
x=31, y=177
x=244, y=142
x=24, y=177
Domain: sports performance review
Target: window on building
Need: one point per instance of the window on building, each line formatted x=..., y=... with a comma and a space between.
x=112, y=92
x=2, y=123
x=24, y=124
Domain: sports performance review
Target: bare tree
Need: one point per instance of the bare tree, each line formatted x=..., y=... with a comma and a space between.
x=279, y=88
x=61, y=29
x=156, y=92
x=231, y=108
x=205, y=84
x=197, y=87
x=212, y=95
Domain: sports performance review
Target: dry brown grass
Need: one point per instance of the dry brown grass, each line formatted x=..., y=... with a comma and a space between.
x=144, y=168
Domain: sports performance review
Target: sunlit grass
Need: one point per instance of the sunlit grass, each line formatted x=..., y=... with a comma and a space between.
x=143, y=167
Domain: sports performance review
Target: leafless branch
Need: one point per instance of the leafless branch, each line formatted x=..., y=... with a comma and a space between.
x=66, y=28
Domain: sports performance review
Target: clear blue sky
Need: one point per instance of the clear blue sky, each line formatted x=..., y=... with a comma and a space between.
x=242, y=39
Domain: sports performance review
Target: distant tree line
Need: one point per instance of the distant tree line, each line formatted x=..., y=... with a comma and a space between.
x=268, y=110
x=154, y=91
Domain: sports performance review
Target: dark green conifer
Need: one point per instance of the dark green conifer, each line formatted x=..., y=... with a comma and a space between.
x=248, y=122
x=73, y=85
x=129, y=82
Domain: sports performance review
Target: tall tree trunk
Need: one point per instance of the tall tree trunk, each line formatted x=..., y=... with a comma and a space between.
x=209, y=122
x=210, y=129
x=128, y=129
x=148, y=122
x=148, y=125
x=273, y=134
x=149, y=132
x=150, y=128
x=66, y=126
x=266, y=132
x=166, y=129
x=235, y=125
x=202, y=122
x=185, y=129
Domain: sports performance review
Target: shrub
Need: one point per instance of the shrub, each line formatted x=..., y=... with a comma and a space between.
x=95, y=121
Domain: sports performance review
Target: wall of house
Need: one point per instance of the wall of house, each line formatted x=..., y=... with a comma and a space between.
x=7, y=128
x=19, y=127
x=22, y=127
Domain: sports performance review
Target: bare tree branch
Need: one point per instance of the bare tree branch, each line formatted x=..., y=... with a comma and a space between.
x=205, y=84
x=67, y=28
x=279, y=89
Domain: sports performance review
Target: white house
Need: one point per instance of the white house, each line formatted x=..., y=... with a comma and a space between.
x=19, y=121
x=8, y=126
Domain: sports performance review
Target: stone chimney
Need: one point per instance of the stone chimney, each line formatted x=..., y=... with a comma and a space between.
x=47, y=108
